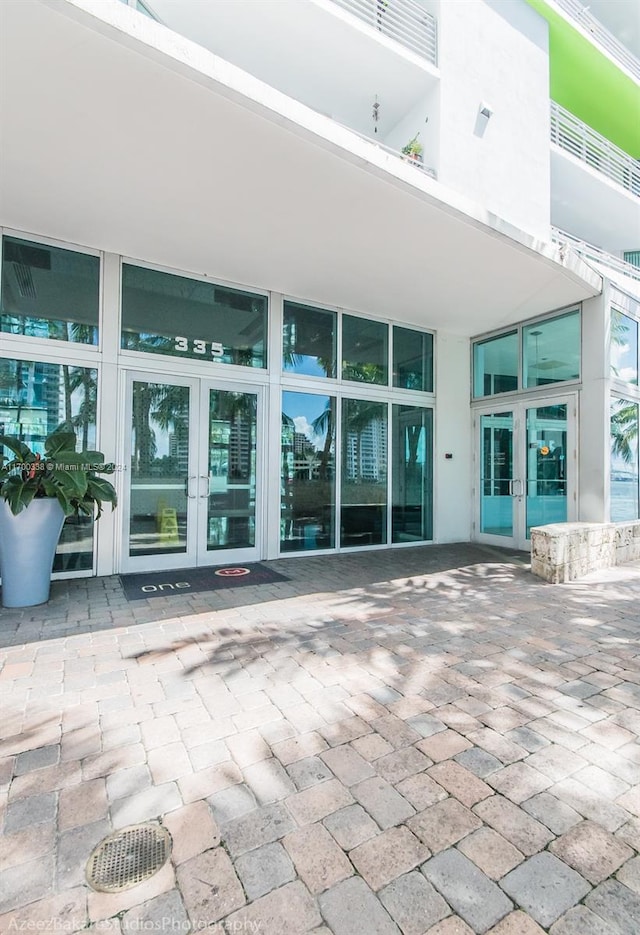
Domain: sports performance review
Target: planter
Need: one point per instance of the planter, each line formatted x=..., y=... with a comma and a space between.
x=27, y=548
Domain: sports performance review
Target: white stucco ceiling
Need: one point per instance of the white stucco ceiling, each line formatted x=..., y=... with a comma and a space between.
x=119, y=135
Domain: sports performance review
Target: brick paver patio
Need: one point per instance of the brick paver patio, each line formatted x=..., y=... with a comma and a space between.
x=428, y=740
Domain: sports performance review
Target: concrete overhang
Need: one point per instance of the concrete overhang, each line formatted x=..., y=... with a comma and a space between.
x=121, y=135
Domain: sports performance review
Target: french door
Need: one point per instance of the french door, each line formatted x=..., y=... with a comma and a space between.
x=525, y=468
x=194, y=466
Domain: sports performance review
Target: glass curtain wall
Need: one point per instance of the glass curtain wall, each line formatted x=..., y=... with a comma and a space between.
x=624, y=460
x=307, y=480
x=363, y=519
x=309, y=341
x=49, y=292
x=180, y=317
x=546, y=465
x=37, y=399
x=374, y=508
x=411, y=474
x=551, y=351
x=624, y=348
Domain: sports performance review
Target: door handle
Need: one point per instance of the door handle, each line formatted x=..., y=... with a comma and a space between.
x=187, y=486
x=205, y=495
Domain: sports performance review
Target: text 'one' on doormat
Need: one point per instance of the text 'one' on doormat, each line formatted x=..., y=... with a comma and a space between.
x=138, y=587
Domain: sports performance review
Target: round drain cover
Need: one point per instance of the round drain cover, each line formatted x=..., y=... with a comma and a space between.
x=128, y=857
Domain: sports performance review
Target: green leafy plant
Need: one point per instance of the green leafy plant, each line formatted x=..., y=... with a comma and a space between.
x=413, y=148
x=62, y=472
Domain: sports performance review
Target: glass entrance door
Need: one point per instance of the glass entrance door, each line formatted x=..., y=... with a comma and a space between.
x=193, y=456
x=497, y=483
x=526, y=459
x=228, y=485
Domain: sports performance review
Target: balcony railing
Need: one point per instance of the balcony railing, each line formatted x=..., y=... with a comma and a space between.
x=580, y=13
x=585, y=144
x=405, y=21
x=417, y=162
x=589, y=252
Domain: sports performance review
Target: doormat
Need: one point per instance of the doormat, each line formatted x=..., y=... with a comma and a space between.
x=138, y=587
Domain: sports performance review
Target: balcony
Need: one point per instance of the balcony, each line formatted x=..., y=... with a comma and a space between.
x=589, y=252
x=580, y=14
x=595, y=186
x=404, y=21
x=416, y=161
x=598, y=153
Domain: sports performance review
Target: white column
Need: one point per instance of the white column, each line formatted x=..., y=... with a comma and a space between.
x=110, y=407
x=594, y=434
x=453, y=436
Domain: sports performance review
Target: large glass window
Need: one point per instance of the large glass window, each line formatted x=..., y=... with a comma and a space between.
x=49, y=292
x=412, y=483
x=167, y=314
x=365, y=350
x=309, y=341
x=624, y=460
x=624, y=347
x=495, y=365
x=363, y=518
x=307, y=518
x=36, y=399
x=412, y=359
x=551, y=350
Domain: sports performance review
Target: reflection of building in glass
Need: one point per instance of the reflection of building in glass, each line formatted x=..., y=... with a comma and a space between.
x=179, y=450
x=367, y=452
x=240, y=448
x=31, y=404
x=231, y=447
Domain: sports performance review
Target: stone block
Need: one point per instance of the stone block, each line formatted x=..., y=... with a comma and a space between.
x=443, y=824
x=384, y=857
x=471, y=894
x=618, y=905
x=289, y=909
x=413, y=903
x=264, y=869
x=384, y=804
x=545, y=887
x=351, y=907
x=351, y=826
x=260, y=826
x=318, y=859
x=592, y=851
x=210, y=888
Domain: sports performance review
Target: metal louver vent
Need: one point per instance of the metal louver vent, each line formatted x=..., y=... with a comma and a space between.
x=24, y=278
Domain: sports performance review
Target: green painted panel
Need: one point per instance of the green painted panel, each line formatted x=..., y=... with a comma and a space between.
x=590, y=85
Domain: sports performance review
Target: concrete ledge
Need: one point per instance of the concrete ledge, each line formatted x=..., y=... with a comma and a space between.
x=565, y=551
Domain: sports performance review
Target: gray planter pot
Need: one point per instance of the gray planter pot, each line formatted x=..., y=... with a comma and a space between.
x=27, y=547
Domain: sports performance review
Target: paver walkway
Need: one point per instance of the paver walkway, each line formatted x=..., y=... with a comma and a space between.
x=424, y=740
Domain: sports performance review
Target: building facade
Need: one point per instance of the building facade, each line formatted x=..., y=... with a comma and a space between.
x=321, y=275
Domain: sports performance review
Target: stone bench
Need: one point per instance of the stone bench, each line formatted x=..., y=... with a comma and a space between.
x=565, y=551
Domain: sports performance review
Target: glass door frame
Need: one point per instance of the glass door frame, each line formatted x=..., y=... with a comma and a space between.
x=196, y=553
x=157, y=562
x=518, y=409
x=253, y=553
